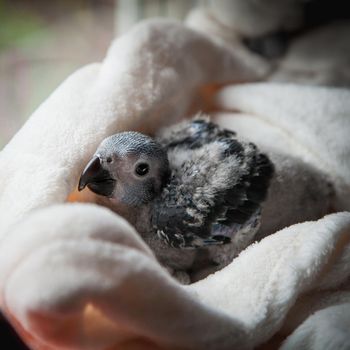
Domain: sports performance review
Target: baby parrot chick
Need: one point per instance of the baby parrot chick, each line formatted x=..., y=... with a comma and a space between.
x=190, y=191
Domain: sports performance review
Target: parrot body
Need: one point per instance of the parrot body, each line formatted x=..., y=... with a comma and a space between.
x=194, y=192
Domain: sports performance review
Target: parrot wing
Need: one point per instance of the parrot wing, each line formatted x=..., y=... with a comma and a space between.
x=217, y=184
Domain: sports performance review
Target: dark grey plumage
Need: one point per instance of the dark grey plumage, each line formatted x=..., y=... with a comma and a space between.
x=217, y=185
x=202, y=187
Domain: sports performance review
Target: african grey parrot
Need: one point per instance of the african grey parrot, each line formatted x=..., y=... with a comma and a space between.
x=193, y=192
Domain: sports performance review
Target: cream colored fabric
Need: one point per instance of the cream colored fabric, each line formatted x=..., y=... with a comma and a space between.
x=319, y=57
x=144, y=82
x=77, y=276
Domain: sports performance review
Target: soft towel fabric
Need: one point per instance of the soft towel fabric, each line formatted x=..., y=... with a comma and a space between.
x=100, y=288
x=144, y=82
x=310, y=61
x=77, y=276
x=319, y=57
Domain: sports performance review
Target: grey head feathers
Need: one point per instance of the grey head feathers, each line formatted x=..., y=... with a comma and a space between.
x=132, y=142
x=129, y=167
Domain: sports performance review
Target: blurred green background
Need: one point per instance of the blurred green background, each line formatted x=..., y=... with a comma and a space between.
x=42, y=42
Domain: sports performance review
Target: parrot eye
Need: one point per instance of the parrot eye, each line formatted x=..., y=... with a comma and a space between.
x=109, y=160
x=142, y=169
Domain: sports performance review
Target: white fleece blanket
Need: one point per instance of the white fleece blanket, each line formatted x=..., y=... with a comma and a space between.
x=77, y=276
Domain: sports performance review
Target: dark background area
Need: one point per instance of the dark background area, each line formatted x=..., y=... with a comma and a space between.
x=8, y=337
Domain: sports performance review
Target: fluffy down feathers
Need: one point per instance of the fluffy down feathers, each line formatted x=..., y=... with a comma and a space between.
x=216, y=187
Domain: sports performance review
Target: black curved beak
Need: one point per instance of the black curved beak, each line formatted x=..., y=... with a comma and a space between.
x=97, y=179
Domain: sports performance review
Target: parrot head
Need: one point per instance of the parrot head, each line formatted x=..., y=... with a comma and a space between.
x=129, y=167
